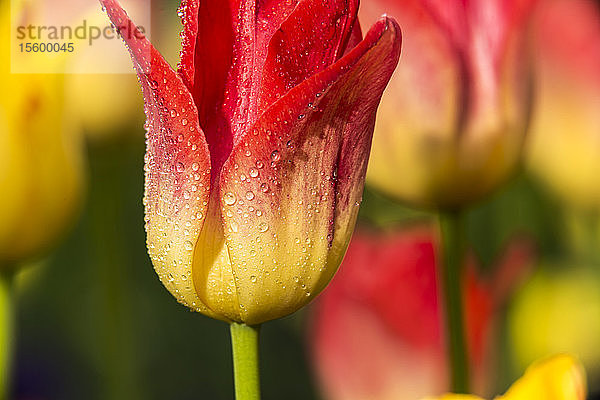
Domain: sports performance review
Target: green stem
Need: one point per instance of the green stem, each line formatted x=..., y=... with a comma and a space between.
x=6, y=332
x=244, y=340
x=451, y=291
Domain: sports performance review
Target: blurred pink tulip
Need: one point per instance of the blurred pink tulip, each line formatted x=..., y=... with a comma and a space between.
x=452, y=123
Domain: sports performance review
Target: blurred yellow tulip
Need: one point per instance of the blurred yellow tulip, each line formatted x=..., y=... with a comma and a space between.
x=453, y=120
x=40, y=157
x=103, y=105
x=565, y=145
x=557, y=378
x=557, y=312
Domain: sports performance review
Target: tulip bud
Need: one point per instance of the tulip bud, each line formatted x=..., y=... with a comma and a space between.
x=565, y=146
x=257, y=149
x=453, y=121
x=40, y=157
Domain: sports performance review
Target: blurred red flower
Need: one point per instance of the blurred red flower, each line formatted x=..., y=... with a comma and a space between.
x=376, y=330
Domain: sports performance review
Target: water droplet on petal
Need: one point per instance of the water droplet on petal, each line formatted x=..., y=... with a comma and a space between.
x=229, y=198
x=263, y=227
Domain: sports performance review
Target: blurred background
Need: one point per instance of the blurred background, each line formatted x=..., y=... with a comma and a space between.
x=94, y=322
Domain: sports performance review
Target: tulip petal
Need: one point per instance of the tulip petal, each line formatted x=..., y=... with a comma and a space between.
x=558, y=378
x=224, y=89
x=301, y=48
x=177, y=166
x=271, y=13
x=291, y=187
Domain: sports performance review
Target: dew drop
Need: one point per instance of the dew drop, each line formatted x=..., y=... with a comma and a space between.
x=180, y=167
x=253, y=279
x=275, y=156
x=253, y=172
x=249, y=196
x=195, y=166
x=263, y=227
x=229, y=198
x=188, y=245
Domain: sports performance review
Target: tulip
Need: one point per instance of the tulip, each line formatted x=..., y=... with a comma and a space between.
x=556, y=378
x=40, y=171
x=455, y=120
x=376, y=330
x=40, y=160
x=257, y=149
x=457, y=110
x=564, y=150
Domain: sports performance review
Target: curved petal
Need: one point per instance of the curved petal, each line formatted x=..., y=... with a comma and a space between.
x=234, y=36
x=300, y=48
x=290, y=190
x=561, y=377
x=177, y=166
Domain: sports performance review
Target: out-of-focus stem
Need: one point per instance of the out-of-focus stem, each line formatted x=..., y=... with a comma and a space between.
x=450, y=284
x=6, y=332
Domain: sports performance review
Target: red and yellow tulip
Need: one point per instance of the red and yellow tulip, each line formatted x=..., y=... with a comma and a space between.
x=257, y=148
x=452, y=124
